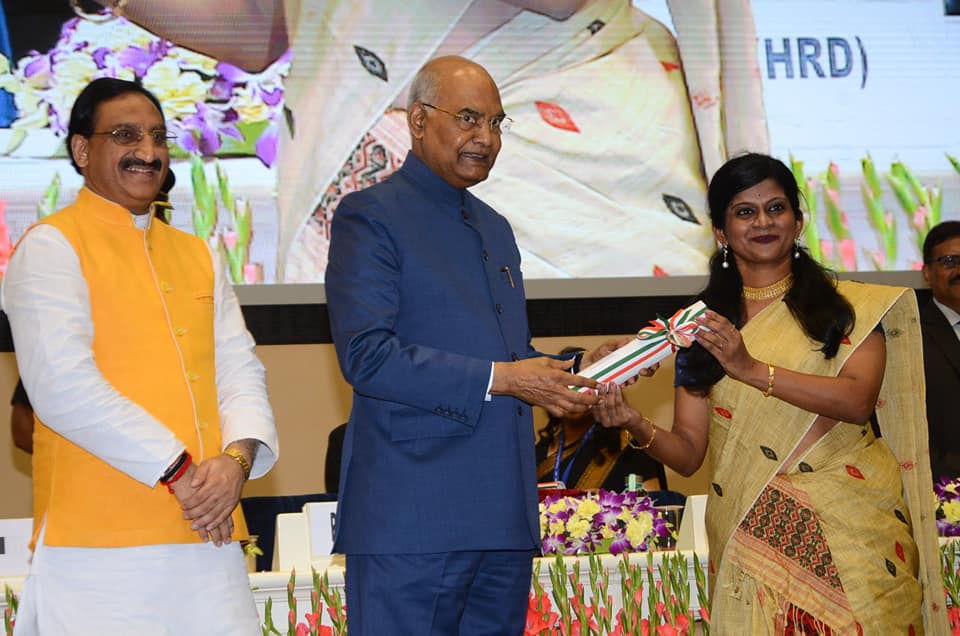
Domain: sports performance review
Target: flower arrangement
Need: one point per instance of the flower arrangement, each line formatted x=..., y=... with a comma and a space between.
x=235, y=238
x=212, y=107
x=653, y=600
x=921, y=205
x=948, y=506
x=950, y=560
x=10, y=611
x=321, y=593
x=575, y=610
x=603, y=522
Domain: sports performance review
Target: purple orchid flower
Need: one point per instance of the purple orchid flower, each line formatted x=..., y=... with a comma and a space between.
x=136, y=59
x=553, y=544
x=201, y=132
x=69, y=28
x=619, y=545
x=100, y=57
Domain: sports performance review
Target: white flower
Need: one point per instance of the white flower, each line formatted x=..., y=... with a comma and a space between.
x=250, y=108
x=178, y=92
x=70, y=74
x=112, y=34
x=190, y=60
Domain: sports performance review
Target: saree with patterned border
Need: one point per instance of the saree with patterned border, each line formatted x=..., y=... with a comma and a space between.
x=842, y=540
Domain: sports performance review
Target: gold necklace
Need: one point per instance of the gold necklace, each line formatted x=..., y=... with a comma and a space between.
x=770, y=291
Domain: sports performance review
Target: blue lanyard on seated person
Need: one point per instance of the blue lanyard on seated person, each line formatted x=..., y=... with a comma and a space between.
x=556, y=464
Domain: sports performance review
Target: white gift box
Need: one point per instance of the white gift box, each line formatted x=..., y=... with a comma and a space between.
x=661, y=338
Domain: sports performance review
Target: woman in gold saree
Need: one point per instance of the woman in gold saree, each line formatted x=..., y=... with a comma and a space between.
x=808, y=395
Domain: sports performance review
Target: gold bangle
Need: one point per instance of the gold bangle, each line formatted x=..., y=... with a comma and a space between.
x=240, y=459
x=770, y=379
x=653, y=435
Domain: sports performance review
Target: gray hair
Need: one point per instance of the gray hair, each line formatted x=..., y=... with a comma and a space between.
x=425, y=87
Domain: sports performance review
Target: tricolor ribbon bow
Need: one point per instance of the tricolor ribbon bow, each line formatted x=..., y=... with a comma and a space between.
x=678, y=331
x=652, y=344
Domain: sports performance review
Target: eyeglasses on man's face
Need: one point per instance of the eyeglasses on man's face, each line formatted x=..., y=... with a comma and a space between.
x=469, y=120
x=128, y=135
x=947, y=261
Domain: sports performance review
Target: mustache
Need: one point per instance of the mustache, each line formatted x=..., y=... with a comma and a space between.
x=130, y=162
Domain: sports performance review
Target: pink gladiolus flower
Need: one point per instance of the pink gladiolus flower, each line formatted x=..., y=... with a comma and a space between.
x=229, y=238
x=827, y=248
x=645, y=627
x=291, y=618
x=835, y=169
x=916, y=266
x=833, y=195
x=313, y=619
x=704, y=614
x=848, y=253
x=879, y=258
x=302, y=629
x=683, y=622
x=666, y=630
x=253, y=273
x=920, y=217
x=661, y=607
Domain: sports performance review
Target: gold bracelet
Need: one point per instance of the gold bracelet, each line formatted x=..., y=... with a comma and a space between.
x=653, y=435
x=770, y=379
x=240, y=459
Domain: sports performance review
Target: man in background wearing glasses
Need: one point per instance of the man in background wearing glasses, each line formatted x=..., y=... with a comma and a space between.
x=151, y=407
x=438, y=505
x=940, y=324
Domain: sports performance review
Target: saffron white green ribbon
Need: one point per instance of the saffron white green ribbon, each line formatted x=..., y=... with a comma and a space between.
x=653, y=343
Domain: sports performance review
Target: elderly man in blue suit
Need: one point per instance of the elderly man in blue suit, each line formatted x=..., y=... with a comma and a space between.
x=438, y=504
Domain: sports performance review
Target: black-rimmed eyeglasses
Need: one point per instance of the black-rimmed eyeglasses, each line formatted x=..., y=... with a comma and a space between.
x=127, y=135
x=947, y=261
x=499, y=124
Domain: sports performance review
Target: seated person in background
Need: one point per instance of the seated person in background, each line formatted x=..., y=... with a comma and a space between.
x=591, y=456
x=331, y=466
x=21, y=419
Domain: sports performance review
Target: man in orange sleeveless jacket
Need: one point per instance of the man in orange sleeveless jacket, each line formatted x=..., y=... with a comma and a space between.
x=151, y=408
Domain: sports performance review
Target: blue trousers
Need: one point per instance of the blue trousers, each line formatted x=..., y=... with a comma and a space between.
x=445, y=594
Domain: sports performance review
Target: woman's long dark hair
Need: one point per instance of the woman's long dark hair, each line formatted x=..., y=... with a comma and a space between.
x=823, y=313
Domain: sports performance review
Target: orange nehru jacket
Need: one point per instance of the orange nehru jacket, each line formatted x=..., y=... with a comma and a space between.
x=151, y=302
